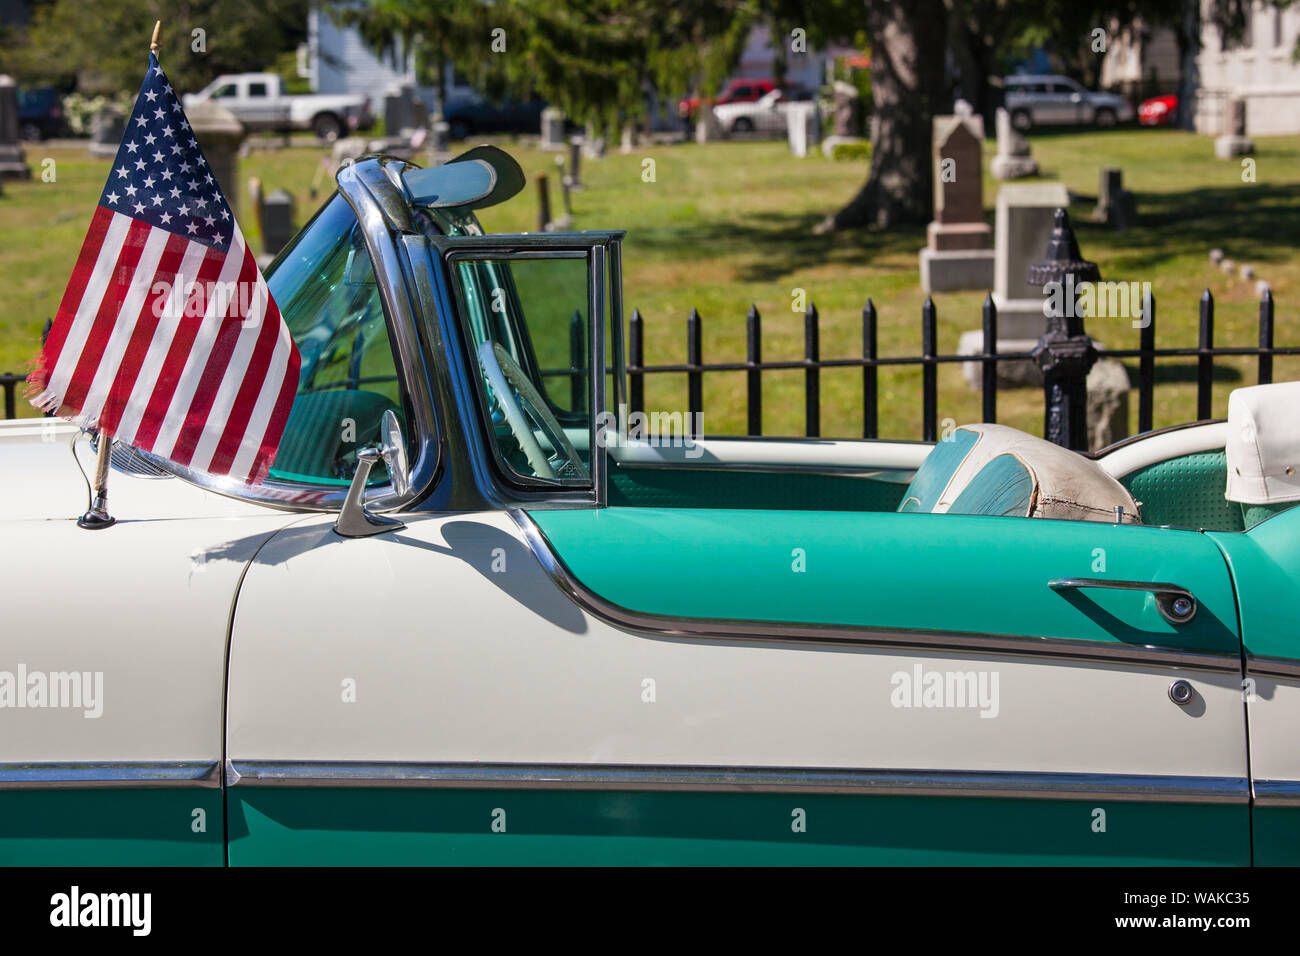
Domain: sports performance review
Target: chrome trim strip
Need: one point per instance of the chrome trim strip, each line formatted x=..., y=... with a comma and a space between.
x=943, y=783
x=1061, y=648
x=81, y=775
x=1277, y=793
x=1273, y=667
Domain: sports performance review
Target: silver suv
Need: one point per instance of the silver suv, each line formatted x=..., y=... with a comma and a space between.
x=1053, y=100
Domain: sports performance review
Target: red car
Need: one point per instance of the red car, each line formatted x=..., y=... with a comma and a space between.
x=737, y=91
x=1156, y=111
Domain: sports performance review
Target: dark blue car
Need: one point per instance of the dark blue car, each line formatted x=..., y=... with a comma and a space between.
x=40, y=113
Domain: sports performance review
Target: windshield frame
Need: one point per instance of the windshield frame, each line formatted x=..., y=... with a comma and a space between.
x=368, y=189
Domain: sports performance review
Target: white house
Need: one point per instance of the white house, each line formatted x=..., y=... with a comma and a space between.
x=1259, y=70
x=338, y=61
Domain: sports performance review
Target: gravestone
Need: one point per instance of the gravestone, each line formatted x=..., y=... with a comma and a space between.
x=278, y=225
x=1025, y=218
x=846, y=117
x=1234, y=142
x=707, y=127
x=1013, y=160
x=13, y=161
x=107, y=127
x=959, y=243
x=439, y=139
x=220, y=134
x=803, y=128
x=553, y=130
x=399, y=110
x=1116, y=206
x=593, y=144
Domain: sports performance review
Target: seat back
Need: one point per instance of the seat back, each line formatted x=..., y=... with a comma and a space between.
x=998, y=470
x=1263, y=449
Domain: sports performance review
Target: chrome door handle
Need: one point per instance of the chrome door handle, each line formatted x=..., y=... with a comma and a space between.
x=1175, y=604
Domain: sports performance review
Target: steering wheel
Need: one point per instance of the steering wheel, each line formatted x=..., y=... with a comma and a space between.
x=520, y=401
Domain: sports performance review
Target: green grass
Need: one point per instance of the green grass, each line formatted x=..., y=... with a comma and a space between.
x=728, y=224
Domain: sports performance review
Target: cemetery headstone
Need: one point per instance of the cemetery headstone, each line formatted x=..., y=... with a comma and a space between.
x=1013, y=160
x=13, y=161
x=278, y=225
x=959, y=243
x=846, y=117
x=553, y=130
x=1025, y=216
x=1116, y=206
x=106, y=129
x=803, y=128
x=220, y=134
x=1234, y=142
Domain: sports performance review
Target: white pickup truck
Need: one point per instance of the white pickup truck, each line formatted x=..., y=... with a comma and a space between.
x=259, y=100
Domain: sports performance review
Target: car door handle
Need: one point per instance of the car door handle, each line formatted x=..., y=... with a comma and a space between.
x=1175, y=604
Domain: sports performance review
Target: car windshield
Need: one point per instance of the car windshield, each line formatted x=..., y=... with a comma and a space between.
x=326, y=291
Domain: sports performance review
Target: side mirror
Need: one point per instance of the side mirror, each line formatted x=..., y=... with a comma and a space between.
x=354, y=520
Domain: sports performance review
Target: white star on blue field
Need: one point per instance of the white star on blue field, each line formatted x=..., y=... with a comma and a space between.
x=160, y=175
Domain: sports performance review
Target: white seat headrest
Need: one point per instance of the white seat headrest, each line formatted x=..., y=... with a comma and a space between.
x=1264, y=444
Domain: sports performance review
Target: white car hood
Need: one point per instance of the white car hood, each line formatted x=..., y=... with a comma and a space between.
x=39, y=480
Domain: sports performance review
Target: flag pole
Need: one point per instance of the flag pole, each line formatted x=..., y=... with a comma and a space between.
x=97, y=516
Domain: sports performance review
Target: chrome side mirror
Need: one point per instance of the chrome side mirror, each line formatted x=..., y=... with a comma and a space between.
x=354, y=520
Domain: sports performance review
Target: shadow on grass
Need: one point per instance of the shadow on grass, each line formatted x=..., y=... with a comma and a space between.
x=777, y=245
x=1259, y=221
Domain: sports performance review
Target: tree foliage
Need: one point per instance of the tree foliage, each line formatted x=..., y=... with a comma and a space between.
x=595, y=59
x=105, y=42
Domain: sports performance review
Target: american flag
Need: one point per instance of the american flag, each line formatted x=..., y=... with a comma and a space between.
x=167, y=337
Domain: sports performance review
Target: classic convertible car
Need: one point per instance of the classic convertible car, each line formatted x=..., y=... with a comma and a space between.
x=467, y=619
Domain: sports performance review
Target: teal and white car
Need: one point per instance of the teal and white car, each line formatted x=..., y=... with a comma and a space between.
x=472, y=618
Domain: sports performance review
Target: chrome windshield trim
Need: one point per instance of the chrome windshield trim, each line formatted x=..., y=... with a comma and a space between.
x=1277, y=793
x=89, y=775
x=942, y=783
x=1273, y=667
x=785, y=632
x=378, y=206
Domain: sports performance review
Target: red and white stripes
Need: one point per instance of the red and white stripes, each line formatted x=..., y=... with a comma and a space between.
x=172, y=346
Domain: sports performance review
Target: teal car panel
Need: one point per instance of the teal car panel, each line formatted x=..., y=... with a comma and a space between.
x=917, y=572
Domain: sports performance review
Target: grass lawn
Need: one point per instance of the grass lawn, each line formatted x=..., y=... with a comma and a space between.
x=728, y=224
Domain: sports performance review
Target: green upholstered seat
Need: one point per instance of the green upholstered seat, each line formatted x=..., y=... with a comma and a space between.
x=1186, y=492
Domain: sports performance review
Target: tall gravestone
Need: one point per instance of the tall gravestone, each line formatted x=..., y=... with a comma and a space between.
x=13, y=161
x=959, y=243
x=220, y=134
x=107, y=127
x=1025, y=216
x=1234, y=142
x=553, y=130
x=1013, y=160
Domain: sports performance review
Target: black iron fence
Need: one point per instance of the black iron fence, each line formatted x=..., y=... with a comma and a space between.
x=870, y=362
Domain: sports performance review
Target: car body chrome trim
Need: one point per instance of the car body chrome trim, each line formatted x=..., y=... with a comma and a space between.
x=786, y=632
x=79, y=775
x=1273, y=667
x=1277, y=793
x=951, y=783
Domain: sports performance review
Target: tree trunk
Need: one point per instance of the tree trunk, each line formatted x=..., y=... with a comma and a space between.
x=907, y=68
x=1189, y=79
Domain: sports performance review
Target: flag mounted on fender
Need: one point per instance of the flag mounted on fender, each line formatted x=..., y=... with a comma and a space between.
x=167, y=337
